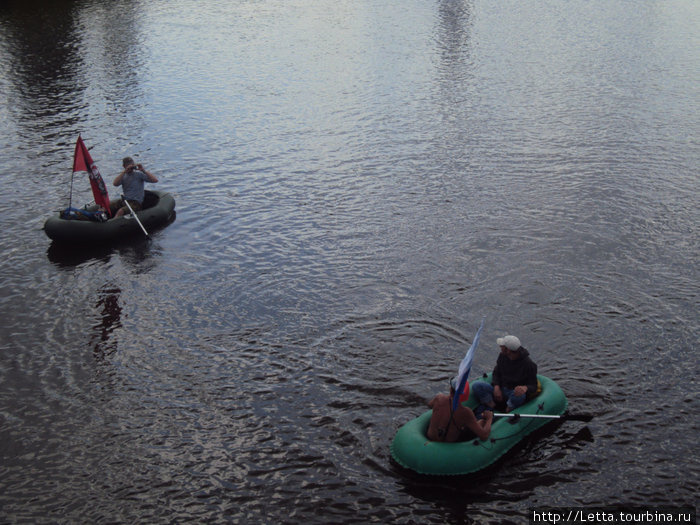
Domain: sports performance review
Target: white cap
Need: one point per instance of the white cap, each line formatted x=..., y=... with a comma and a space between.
x=510, y=342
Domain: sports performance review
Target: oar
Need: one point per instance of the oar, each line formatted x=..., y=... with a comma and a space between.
x=134, y=214
x=572, y=417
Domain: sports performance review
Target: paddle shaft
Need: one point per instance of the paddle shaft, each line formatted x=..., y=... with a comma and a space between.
x=134, y=214
x=541, y=416
x=574, y=417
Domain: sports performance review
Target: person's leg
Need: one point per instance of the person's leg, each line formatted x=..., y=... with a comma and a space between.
x=124, y=210
x=513, y=401
x=483, y=393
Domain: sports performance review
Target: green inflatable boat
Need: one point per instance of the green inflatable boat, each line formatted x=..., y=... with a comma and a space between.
x=159, y=209
x=413, y=450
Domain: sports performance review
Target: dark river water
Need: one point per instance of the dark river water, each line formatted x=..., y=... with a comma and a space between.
x=358, y=184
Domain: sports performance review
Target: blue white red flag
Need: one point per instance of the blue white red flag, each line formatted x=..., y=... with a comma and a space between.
x=82, y=162
x=465, y=367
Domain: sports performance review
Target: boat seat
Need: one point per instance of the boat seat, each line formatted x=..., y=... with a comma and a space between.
x=149, y=199
x=537, y=393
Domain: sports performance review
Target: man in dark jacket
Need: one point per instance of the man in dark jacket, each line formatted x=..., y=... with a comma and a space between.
x=514, y=377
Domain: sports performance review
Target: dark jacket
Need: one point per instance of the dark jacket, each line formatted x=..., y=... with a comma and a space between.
x=522, y=371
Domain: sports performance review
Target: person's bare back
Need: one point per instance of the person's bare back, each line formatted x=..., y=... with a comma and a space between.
x=449, y=426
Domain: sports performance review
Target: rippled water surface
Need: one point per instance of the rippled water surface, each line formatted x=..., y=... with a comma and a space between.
x=358, y=184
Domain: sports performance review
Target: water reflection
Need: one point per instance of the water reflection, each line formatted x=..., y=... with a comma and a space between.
x=134, y=250
x=67, y=256
x=39, y=39
x=102, y=341
x=454, y=32
x=58, y=55
x=454, y=84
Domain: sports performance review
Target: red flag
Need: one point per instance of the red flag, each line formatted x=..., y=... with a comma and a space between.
x=82, y=162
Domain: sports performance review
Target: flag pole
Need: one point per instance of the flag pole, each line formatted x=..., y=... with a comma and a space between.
x=72, y=174
x=465, y=367
x=70, y=196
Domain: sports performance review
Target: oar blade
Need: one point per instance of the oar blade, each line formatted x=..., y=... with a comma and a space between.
x=578, y=417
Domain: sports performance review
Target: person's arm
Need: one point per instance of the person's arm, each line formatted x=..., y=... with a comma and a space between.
x=531, y=381
x=496, y=381
x=482, y=427
x=151, y=177
x=118, y=179
x=485, y=425
x=497, y=394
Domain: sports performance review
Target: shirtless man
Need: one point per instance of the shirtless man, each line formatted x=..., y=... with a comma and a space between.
x=449, y=426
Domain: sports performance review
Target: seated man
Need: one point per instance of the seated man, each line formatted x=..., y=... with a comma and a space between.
x=513, y=379
x=449, y=426
x=132, y=179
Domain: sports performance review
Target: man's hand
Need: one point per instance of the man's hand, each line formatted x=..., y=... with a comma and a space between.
x=520, y=390
x=497, y=394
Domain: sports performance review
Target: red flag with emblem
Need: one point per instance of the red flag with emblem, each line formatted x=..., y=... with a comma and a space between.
x=82, y=162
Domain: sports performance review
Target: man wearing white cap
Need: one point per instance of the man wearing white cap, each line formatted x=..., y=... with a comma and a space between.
x=514, y=377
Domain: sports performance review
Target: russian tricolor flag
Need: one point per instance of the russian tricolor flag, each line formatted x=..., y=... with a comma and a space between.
x=465, y=367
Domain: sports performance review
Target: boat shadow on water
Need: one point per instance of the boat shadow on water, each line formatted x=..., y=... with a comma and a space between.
x=136, y=248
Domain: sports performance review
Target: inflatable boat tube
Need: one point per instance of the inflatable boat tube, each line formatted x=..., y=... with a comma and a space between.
x=413, y=450
x=158, y=210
